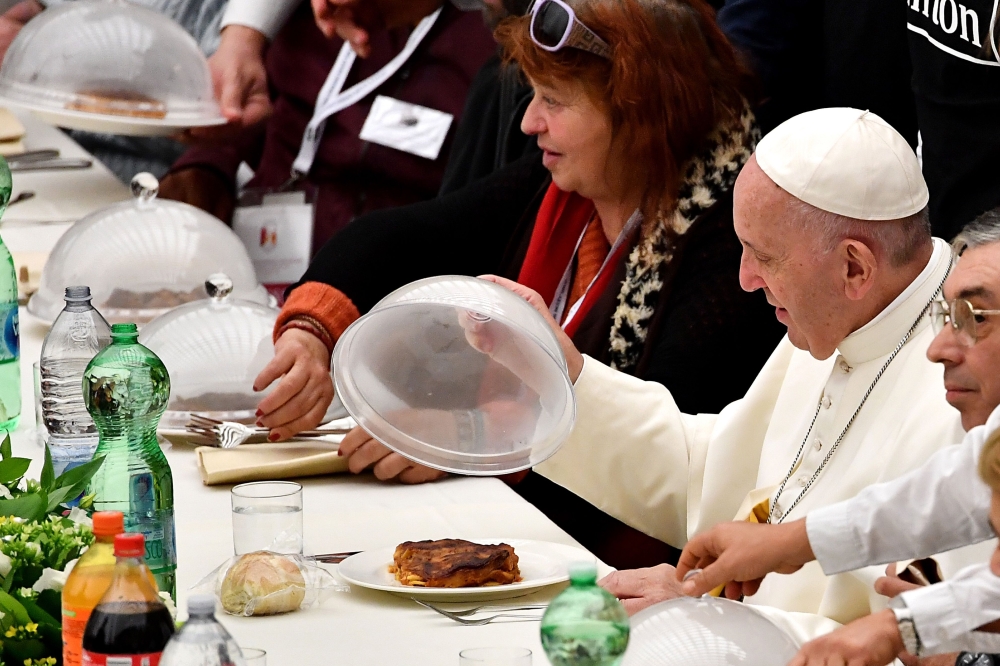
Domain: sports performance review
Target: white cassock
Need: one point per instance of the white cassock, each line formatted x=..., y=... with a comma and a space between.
x=634, y=455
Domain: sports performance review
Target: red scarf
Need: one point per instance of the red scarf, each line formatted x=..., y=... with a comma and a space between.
x=560, y=223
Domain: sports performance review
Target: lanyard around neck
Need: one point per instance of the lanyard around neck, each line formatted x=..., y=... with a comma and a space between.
x=333, y=98
x=561, y=298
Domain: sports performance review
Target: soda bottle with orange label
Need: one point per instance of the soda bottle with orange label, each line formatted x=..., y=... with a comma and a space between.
x=130, y=626
x=88, y=582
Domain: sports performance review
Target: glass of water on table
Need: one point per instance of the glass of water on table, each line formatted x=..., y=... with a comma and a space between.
x=267, y=515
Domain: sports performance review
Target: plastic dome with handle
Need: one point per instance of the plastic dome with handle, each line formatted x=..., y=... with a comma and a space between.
x=144, y=257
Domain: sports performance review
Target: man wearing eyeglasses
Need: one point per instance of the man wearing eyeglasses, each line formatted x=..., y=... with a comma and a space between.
x=939, y=506
x=970, y=349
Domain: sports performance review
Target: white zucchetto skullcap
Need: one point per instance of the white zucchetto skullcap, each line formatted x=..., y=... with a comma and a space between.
x=847, y=162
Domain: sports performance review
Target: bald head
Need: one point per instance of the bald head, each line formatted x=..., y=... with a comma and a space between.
x=827, y=275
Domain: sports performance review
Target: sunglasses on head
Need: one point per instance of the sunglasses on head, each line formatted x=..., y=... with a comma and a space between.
x=554, y=26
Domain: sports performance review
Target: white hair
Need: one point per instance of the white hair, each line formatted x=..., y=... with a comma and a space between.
x=898, y=240
x=983, y=230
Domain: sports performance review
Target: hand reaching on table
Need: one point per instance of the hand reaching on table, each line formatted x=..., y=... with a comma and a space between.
x=239, y=79
x=302, y=364
x=739, y=555
x=364, y=451
x=871, y=641
x=14, y=19
x=641, y=588
x=354, y=20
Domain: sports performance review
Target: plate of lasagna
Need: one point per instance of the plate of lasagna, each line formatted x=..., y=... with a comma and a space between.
x=458, y=570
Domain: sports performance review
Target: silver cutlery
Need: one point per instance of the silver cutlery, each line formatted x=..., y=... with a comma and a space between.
x=229, y=434
x=23, y=196
x=56, y=164
x=33, y=156
x=479, y=621
x=333, y=558
x=484, y=609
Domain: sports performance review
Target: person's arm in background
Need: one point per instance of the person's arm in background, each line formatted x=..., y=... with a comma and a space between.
x=353, y=20
x=237, y=66
x=465, y=233
x=12, y=20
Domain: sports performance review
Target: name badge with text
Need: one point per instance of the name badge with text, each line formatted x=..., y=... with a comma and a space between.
x=408, y=127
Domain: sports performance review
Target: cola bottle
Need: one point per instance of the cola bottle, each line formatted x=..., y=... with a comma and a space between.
x=130, y=626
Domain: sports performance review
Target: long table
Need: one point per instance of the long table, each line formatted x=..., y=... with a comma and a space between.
x=340, y=513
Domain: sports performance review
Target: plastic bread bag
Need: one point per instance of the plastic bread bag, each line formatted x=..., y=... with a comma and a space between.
x=266, y=583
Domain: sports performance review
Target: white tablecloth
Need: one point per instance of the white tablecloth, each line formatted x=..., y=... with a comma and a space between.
x=341, y=513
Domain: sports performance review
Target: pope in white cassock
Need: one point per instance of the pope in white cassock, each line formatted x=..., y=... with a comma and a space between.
x=831, y=212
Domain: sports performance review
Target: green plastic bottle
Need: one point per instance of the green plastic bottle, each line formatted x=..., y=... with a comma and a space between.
x=585, y=625
x=10, y=345
x=125, y=389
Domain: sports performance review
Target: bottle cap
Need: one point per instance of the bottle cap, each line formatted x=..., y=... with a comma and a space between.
x=78, y=293
x=130, y=545
x=201, y=604
x=583, y=573
x=108, y=523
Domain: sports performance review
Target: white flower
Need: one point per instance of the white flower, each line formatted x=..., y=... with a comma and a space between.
x=5, y=564
x=34, y=546
x=169, y=603
x=5, y=492
x=27, y=592
x=50, y=580
x=79, y=516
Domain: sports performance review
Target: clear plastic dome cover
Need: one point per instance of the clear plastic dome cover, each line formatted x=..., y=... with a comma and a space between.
x=706, y=632
x=458, y=374
x=143, y=257
x=213, y=350
x=92, y=58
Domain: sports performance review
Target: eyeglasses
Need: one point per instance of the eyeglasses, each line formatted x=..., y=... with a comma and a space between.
x=554, y=26
x=962, y=317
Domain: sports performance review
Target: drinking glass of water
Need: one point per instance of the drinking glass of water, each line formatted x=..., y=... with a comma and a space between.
x=267, y=515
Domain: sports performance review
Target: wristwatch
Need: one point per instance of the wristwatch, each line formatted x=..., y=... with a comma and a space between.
x=907, y=630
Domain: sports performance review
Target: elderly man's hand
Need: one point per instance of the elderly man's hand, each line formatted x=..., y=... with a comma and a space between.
x=299, y=402
x=14, y=19
x=870, y=641
x=202, y=188
x=355, y=20
x=640, y=588
x=739, y=555
x=574, y=359
x=364, y=451
x=240, y=82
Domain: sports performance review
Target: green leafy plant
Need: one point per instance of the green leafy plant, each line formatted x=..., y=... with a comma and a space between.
x=37, y=543
x=33, y=500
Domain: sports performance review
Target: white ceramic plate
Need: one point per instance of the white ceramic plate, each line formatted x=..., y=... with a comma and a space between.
x=126, y=125
x=542, y=563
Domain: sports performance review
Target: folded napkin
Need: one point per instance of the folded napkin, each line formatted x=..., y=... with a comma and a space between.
x=266, y=462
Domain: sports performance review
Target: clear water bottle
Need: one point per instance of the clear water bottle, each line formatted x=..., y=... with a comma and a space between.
x=126, y=388
x=10, y=342
x=77, y=334
x=202, y=641
x=585, y=625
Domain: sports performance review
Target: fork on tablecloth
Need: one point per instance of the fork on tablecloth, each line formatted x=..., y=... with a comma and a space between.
x=461, y=616
x=229, y=434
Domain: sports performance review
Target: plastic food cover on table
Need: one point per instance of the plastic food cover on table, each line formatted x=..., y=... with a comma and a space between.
x=109, y=65
x=213, y=349
x=706, y=632
x=459, y=374
x=143, y=257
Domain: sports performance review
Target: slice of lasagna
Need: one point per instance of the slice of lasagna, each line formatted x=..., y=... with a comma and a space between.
x=454, y=563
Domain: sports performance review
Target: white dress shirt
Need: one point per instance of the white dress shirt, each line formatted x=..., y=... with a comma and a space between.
x=937, y=507
x=264, y=16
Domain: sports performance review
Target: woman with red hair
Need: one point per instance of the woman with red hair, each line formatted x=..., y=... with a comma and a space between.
x=641, y=110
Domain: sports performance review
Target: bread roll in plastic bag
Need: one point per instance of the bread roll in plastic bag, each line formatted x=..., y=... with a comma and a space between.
x=266, y=583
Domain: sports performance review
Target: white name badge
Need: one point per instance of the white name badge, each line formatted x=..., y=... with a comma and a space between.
x=277, y=235
x=411, y=128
